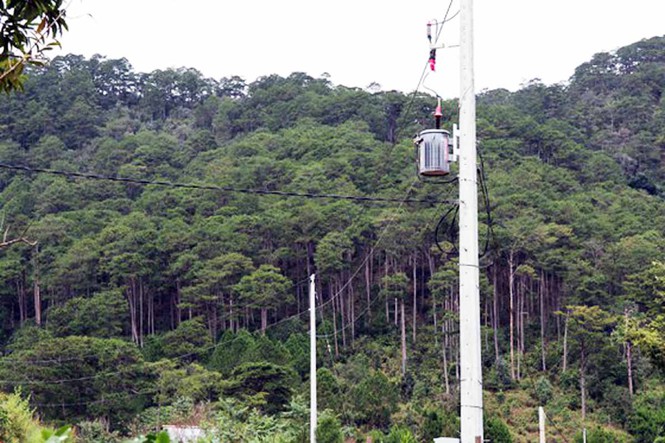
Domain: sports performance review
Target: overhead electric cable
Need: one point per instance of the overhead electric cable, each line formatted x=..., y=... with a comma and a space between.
x=204, y=187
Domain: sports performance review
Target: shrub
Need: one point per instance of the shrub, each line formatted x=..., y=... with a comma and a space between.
x=16, y=418
x=497, y=431
x=328, y=429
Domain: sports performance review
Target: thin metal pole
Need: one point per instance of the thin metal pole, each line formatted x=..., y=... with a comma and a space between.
x=471, y=389
x=312, y=359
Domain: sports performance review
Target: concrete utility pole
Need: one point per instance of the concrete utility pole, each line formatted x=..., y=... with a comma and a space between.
x=471, y=389
x=541, y=424
x=312, y=359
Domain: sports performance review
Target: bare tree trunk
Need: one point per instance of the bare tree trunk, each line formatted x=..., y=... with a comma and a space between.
x=583, y=384
x=131, y=300
x=629, y=361
x=520, y=326
x=232, y=325
x=415, y=292
x=352, y=312
x=22, y=308
x=140, y=313
x=36, y=287
x=495, y=313
x=264, y=320
x=543, y=345
x=565, y=344
x=403, y=318
x=511, y=278
x=436, y=328
x=334, y=316
x=24, y=295
x=368, y=291
x=385, y=273
x=342, y=310
x=445, y=360
x=629, y=358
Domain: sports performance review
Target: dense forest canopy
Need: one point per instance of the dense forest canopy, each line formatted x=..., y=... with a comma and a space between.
x=127, y=304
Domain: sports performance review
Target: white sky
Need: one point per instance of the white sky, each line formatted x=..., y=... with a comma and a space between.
x=359, y=42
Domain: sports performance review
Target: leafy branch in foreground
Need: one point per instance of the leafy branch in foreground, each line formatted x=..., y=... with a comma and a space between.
x=29, y=28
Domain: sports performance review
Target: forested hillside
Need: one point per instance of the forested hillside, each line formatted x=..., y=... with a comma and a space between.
x=159, y=230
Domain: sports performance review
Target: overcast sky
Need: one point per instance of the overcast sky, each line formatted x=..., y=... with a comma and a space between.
x=358, y=42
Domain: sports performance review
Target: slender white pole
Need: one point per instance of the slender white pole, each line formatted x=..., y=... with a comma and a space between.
x=541, y=423
x=471, y=388
x=312, y=359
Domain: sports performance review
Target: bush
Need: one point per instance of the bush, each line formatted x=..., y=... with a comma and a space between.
x=647, y=422
x=497, y=431
x=16, y=418
x=328, y=429
x=400, y=434
x=601, y=435
x=95, y=432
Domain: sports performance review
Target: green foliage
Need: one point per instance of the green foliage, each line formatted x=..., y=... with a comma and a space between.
x=27, y=337
x=328, y=390
x=91, y=368
x=496, y=430
x=602, y=435
x=103, y=315
x=543, y=390
x=395, y=286
x=95, y=432
x=191, y=381
x=236, y=423
x=373, y=399
x=647, y=422
x=159, y=437
x=261, y=384
x=231, y=351
x=399, y=435
x=190, y=340
x=16, y=417
x=328, y=429
x=29, y=29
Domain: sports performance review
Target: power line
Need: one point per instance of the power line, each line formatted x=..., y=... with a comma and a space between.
x=424, y=72
x=205, y=187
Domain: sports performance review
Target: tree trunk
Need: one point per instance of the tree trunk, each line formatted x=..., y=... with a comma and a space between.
x=436, y=343
x=22, y=309
x=415, y=291
x=543, y=346
x=36, y=287
x=342, y=309
x=264, y=320
x=352, y=312
x=583, y=384
x=511, y=278
x=629, y=362
x=520, y=325
x=334, y=316
x=140, y=313
x=565, y=344
x=445, y=360
x=232, y=325
x=368, y=291
x=629, y=358
x=403, y=318
x=495, y=313
x=131, y=300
